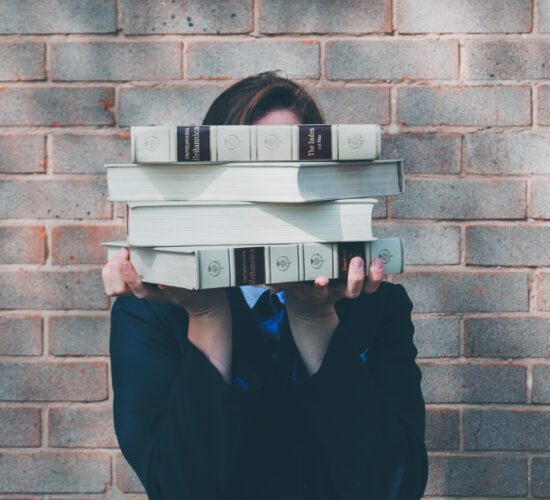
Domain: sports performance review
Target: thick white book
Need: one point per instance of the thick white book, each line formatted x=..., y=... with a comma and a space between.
x=189, y=143
x=252, y=181
x=219, y=266
x=172, y=223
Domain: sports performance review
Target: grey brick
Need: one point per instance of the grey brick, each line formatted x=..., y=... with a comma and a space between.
x=544, y=15
x=381, y=208
x=142, y=17
x=507, y=245
x=22, y=61
x=82, y=427
x=125, y=477
x=544, y=104
x=57, y=16
x=392, y=60
x=442, y=429
x=304, y=16
x=507, y=154
x=424, y=153
x=354, y=104
x=20, y=336
x=540, y=477
x=477, y=476
x=473, y=383
x=225, y=60
x=464, y=106
x=53, y=381
x=165, y=106
x=462, y=199
x=507, y=337
x=432, y=244
x=21, y=154
x=55, y=199
x=116, y=61
x=464, y=16
x=437, y=337
x=56, y=106
x=79, y=335
x=541, y=384
x=87, y=154
x=19, y=427
x=506, y=59
x=543, y=291
x=22, y=244
x=456, y=292
x=26, y=289
x=506, y=430
x=52, y=472
x=539, y=207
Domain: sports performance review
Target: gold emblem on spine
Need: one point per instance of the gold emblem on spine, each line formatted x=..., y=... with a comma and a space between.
x=272, y=141
x=232, y=142
x=283, y=263
x=151, y=142
x=214, y=268
x=355, y=141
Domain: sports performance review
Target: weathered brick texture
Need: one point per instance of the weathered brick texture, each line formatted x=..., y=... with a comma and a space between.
x=461, y=88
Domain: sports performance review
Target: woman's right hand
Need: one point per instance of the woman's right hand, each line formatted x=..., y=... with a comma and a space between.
x=120, y=278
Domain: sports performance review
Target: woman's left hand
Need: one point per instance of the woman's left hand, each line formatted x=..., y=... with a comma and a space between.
x=311, y=313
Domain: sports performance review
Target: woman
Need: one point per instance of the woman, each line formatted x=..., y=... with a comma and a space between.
x=227, y=394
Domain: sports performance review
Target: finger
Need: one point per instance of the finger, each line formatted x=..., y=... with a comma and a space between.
x=136, y=286
x=111, y=274
x=320, y=287
x=375, y=276
x=356, y=277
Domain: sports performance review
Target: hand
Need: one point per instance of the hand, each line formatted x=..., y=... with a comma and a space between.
x=311, y=313
x=120, y=278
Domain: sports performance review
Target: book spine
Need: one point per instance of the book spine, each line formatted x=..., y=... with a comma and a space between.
x=224, y=143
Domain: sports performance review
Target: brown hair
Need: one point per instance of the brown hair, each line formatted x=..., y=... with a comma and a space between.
x=253, y=97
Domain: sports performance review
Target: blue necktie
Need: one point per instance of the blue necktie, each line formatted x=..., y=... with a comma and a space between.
x=269, y=313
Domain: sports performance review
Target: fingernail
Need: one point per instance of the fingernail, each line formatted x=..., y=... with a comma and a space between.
x=125, y=267
x=358, y=263
x=379, y=264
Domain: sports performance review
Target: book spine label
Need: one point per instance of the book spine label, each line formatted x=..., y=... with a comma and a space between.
x=249, y=265
x=346, y=252
x=284, y=262
x=193, y=143
x=315, y=142
x=214, y=268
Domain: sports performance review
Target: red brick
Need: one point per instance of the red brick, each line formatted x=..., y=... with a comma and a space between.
x=53, y=381
x=22, y=61
x=22, y=154
x=79, y=335
x=81, y=244
x=540, y=477
x=544, y=104
x=477, y=476
x=22, y=244
x=87, y=154
x=543, y=291
x=541, y=384
x=539, y=207
x=55, y=199
x=82, y=427
x=474, y=383
x=20, y=335
x=54, y=472
x=125, y=477
x=46, y=289
x=442, y=429
x=19, y=427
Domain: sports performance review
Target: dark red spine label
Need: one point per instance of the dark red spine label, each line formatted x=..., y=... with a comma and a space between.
x=193, y=143
x=346, y=252
x=249, y=266
x=315, y=142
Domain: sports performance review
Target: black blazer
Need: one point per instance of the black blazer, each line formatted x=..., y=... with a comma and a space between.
x=352, y=431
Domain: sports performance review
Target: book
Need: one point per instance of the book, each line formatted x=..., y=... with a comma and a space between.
x=219, y=266
x=191, y=143
x=175, y=223
x=253, y=181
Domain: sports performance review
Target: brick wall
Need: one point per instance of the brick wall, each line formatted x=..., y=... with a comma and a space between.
x=462, y=90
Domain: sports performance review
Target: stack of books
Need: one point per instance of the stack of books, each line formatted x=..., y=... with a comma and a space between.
x=221, y=206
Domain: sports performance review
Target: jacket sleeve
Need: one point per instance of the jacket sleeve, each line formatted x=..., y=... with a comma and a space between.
x=178, y=423
x=364, y=404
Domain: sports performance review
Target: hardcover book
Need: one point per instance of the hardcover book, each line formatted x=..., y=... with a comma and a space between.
x=225, y=143
x=172, y=223
x=252, y=181
x=219, y=266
